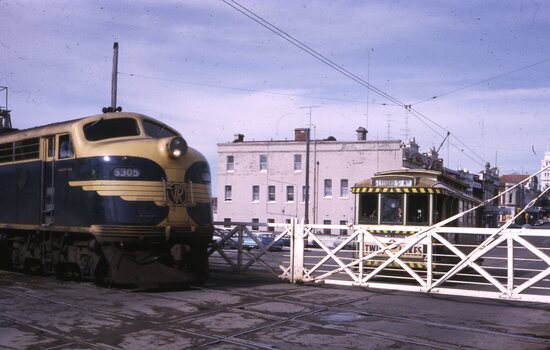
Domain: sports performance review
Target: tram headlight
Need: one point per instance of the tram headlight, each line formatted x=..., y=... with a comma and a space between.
x=177, y=147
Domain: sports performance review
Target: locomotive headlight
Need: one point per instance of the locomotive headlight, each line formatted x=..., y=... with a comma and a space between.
x=177, y=147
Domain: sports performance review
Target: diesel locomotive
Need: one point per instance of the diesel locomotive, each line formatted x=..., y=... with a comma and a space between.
x=116, y=198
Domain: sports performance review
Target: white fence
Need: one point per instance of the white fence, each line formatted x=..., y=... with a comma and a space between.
x=512, y=264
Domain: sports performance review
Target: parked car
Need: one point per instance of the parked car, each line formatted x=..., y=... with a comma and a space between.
x=249, y=243
x=267, y=238
x=350, y=245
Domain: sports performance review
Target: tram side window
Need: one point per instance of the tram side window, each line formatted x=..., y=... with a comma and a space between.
x=65, y=147
x=368, y=209
x=392, y=209
x=417, y=209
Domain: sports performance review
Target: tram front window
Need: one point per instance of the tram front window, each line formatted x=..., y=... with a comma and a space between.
x=392, y=209
x=417, y=209
x=368, y=205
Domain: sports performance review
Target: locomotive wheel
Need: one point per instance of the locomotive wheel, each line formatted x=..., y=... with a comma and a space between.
x=5, y=257
x=102, y=273
x=67, y=272
x=199, y=263
x=33, y=267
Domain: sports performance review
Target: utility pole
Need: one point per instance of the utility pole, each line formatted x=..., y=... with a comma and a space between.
x=308, y=139
x=5, y=119
x=306, y=207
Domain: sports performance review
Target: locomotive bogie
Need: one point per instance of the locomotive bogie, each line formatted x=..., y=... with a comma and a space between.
x=114, y=186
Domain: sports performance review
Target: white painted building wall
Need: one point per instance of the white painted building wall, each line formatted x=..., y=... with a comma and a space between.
x=329, y=160
x=545, y=175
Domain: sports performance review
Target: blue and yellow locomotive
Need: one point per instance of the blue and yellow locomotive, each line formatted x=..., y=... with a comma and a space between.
x=117, y=198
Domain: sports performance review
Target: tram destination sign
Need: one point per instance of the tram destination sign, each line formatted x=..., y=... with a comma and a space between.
x=393, y=182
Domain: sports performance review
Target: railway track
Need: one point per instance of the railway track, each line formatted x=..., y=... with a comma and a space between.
x=178, y=316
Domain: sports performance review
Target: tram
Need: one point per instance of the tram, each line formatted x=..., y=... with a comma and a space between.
x=396, y=204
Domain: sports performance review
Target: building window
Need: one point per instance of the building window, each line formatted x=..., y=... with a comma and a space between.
x=228, y=193
x=290, y=193
x=255, y=193
x=255, y=221
x=297, y=162
x=227, y=222
x=230, y=166
x=327, y=231
x=263, y=162
x=271, y=228
x=328, y=188
x=342, y=231
x=344, y=188
x=271, y=193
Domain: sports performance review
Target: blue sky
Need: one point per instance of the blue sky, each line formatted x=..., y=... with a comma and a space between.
x=211, y=72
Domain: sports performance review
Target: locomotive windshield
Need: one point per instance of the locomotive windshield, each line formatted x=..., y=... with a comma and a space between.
x=156, y=130
x=103, y=129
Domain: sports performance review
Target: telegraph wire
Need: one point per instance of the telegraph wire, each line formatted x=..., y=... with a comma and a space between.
x=279, y=32
x=136, y=75
x=483, y=81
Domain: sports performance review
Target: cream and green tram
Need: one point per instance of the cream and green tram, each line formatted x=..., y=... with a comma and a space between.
x=395, y=204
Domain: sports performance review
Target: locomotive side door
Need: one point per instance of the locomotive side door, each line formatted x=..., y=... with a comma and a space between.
x=48, y=188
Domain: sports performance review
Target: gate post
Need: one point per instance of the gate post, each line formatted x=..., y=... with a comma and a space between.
x=297, y=252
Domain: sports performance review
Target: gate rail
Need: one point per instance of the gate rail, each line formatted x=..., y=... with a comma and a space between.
x=511, y=264
x=230, y=248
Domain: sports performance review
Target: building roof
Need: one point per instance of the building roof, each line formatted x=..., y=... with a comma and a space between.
x=513, y=178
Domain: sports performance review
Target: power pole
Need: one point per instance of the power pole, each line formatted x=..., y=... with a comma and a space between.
x=308, y=140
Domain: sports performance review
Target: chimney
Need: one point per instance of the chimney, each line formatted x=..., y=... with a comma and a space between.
x=300, y=134
x=238, y=138
x=361, y=134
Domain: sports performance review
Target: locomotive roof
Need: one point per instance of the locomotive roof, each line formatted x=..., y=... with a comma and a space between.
x=66, y=125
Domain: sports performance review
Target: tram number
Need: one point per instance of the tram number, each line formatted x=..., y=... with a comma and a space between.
x=416, y=251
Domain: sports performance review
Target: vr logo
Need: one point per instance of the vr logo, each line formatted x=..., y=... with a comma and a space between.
x=175, y=193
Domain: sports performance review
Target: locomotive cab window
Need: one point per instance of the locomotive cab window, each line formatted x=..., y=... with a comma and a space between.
x=104, y=129
x=156, y=130
x=66, y=149
x=51, y=147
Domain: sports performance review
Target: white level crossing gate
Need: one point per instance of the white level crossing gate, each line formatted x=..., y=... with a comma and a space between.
x=512, y=264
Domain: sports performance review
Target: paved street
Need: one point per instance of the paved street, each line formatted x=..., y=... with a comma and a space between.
x=257, y=311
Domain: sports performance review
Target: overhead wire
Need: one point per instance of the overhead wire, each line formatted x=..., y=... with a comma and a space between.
x=245, y=89
x=482, y=81
x=284, y=35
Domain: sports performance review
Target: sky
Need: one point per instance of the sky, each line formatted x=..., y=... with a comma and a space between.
x=479, y=69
